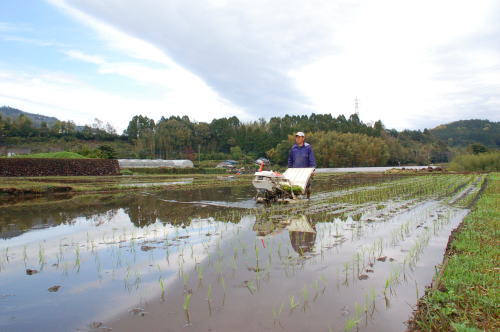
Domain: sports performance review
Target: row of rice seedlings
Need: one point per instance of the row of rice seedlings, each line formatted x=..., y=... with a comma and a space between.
x=368, y=308
x=369, y=254
x=410, y=259
x=426, y=186
x=422, y=240
x=471, y=195
x=419, y=187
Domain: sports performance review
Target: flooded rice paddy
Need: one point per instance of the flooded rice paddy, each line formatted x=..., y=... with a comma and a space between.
x=354, y=257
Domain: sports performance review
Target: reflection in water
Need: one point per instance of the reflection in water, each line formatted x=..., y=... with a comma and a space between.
x=302, y=234
x=93, y=257
x=301, y=230
x=142, y=208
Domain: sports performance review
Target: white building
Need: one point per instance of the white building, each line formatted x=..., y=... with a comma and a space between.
x=152, y=163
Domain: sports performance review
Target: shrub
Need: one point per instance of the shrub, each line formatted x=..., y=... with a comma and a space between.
x=481, y=162
x=126, y=172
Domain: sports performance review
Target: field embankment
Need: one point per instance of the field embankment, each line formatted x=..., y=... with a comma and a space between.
x=57, y=167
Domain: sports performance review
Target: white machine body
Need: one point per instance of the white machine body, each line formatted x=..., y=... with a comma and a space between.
x=271, y=184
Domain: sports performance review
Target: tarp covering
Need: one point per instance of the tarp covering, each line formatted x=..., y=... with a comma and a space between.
x=300, y=224
x=150, y=163
x=298, y=176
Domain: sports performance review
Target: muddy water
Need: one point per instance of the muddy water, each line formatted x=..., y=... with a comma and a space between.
x=129, y=262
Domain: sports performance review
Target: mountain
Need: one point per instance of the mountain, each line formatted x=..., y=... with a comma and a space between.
x=465, y=132
x=13, y=113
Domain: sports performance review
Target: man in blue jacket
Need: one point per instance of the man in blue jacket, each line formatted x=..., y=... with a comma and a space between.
x=302, y=156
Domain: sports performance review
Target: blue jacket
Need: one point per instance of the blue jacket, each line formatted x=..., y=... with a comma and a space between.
x=301, y=156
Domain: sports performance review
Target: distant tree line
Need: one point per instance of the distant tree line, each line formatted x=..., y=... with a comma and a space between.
x=337, y=141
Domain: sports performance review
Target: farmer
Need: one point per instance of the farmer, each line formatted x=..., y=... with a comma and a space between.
x=302, y=156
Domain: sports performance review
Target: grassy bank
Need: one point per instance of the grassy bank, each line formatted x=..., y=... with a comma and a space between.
x=465, y=296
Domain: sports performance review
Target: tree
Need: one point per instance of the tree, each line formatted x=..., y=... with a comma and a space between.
x=477, y=148
x=236, y=153
x=138, y=126
x=106, y=152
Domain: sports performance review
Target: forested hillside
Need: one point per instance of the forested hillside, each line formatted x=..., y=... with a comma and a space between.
x=337, y=141
x=465, y=132
x=36, y=119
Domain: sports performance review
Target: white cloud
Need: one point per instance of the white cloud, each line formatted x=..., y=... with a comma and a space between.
x=389, y=62
x=67, y=98
x=31, y=41
x=412, y=64
x=95, y=59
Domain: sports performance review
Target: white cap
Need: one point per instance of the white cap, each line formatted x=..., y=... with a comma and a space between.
x=300, y=134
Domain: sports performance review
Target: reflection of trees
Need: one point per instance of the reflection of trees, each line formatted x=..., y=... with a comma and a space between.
x=178, y=207
x=17, y=220
x=142, y=209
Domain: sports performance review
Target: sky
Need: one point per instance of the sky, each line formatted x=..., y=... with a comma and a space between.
x=411, y=64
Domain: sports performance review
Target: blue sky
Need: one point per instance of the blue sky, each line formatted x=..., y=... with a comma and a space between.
x=411, y=64
x=36, y=35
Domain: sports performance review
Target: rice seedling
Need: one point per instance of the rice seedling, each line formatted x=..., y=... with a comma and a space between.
x=305, y=295
x=25, y=255
x=162, y=287
x=185, y=306
x=209, y=292
x=41, y=255
x=249, y=285
x=277, y=313
x=292, y=303
x=218, y=267
x=223, y=283
x=346, y=270
x=137, y=280
x=358, y=310
x=77, y=258
x=386, y=286
x=199, y=270
x=350, y=324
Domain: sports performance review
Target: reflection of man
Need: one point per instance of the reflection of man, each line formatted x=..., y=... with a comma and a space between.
x=302, y=156
x=301, y=230
x=302, y=234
